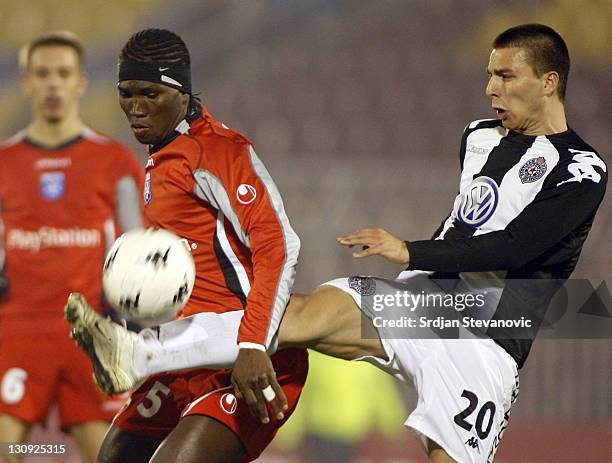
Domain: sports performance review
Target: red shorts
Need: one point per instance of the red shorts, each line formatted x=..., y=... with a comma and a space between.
x=39, y=369
x=156, y=407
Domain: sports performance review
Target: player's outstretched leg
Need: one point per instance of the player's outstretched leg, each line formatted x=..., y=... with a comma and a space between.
x=109, y=346
x=122, y=358
x=330, y=322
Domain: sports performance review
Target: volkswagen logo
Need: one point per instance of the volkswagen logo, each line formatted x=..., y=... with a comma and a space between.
x=479, y=202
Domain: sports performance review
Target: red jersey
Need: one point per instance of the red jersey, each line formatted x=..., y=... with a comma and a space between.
x=57, y=210
x=208, y=186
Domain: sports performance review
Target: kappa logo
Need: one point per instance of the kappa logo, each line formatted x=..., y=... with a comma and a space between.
x=583, y=167
x=228, y=403
x=479, y=202
x=473, y=442
x=476, y=149
x=246, y=194
x=533, y=170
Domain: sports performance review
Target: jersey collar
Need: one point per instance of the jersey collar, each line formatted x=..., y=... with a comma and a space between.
x=61, y=146
x=182, y=128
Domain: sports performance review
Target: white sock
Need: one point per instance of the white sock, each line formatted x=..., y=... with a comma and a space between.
x=206, y=340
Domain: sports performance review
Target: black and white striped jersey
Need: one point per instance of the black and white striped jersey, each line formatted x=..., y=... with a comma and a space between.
x=524, y=209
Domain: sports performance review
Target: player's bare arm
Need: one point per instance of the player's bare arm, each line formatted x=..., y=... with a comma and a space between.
x=377, y=242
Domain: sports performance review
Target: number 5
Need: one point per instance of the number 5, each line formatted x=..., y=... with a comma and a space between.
x=156, y=400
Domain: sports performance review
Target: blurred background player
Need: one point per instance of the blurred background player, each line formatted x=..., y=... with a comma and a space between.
x=205, y=183
x=64, y=188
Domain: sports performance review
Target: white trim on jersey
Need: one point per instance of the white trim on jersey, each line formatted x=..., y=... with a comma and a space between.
x=109, y=234
x=183, y=127
x=210, y=189
x=200, y=399
x=514, y=197
x=448, y=224
x=484, y=139
x=18, y=137
x=291, y=242
x=127, y=208
x=92, y=135
x=243, y=278
x=473, y=124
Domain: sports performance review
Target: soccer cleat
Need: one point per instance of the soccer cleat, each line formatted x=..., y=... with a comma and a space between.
x=109, y=345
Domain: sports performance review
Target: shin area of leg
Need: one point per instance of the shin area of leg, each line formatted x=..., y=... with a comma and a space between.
x=205, y=340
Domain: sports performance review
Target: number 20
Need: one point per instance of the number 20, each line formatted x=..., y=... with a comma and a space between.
x=459, y=419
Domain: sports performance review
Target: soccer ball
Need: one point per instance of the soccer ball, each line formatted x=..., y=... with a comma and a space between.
x=148, y=275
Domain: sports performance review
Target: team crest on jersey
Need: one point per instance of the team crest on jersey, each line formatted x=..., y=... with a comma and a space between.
x=52, y=185
x=147, y=188
x=362, y=285
x=533, y=170
x=479, y=202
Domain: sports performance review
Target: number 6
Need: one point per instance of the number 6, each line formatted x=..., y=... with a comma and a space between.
x=13, y=386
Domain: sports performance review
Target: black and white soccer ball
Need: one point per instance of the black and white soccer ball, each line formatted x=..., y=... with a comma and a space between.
x=148, y=275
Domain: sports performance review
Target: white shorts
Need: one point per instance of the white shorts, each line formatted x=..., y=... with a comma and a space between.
x=465, y=387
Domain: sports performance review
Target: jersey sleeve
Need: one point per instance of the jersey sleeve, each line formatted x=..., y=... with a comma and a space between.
x=247, y=196
x=129, y=177
x=567, y=201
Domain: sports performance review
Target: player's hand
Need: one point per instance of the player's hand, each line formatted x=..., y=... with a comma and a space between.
x=4, y=286
x=377, y=242
x=253, y=374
